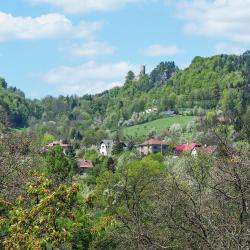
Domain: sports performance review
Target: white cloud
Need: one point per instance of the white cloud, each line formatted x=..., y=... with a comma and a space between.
x=217, y=18
x=81, y=6
x=225, y=48
x=92, y=49
x=89, y=77
x=45, y=26
x=161, y=50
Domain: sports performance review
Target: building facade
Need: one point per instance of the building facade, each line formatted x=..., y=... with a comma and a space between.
x=106, y=147
x=153, y=146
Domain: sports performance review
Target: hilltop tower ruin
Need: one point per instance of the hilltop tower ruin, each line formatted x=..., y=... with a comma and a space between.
x=142, y=70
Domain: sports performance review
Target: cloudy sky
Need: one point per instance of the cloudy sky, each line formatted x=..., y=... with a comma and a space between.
x=52, y=47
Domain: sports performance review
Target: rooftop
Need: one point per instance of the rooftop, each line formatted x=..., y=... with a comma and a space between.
x=84, y=164
x=187, y=147
x=153, y=142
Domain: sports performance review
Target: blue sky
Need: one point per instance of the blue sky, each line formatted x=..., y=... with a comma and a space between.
x=53, y=47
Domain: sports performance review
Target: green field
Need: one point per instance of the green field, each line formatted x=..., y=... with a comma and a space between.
x=142, y=130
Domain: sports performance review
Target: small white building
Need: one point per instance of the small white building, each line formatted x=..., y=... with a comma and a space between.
x=151, y=110
x=106, y=147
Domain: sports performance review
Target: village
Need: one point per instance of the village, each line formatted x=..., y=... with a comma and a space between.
x=150, y=146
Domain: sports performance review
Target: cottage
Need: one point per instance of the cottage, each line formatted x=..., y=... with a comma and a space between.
x=153, y=146
x=106, y=147
x=67, y=147
x=188, y=148
x=84, y=165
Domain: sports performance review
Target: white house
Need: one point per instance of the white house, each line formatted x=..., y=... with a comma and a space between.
x=106, y=147
x=151, y=110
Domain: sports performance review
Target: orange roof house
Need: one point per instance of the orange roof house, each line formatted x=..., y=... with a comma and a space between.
x=153, y=146
x=84, y=165
x=186, y=148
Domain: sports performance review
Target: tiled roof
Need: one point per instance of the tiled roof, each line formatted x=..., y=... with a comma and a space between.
x=54, y=143
x=188, y=147
x=84, y=163
x=153, y=142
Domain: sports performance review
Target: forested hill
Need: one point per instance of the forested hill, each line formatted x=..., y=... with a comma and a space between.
x=220, y=82
x=15, y=109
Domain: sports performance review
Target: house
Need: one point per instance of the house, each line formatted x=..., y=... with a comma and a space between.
x=153, y=146
x=151, y=110
x=168, y=113
x=187, y=148
x=84, y=165
x=67, y=147
x=106, y=147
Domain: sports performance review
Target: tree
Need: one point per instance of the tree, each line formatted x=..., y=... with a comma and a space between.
x=246, y=124
x=58, y=166
x=126, y=196
x=3, y=83
x=231, y=102
x=16, y=160
x=130, y=76
x=4, y=123
x=43, y=218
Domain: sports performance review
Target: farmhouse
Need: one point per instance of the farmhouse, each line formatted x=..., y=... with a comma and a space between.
x=188, y=148
x=84, y=165
x=153, y=146
x=67, y=148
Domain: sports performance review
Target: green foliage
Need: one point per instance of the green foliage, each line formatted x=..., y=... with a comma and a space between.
x=3, y=83
x=42, y=218
x=117, y=147
x=94, y=136
x=232, y=101
x=18, y=109
x=130, y=76
x=47, y=138
x=211, y=118
x=58, y=166
x=163, y=72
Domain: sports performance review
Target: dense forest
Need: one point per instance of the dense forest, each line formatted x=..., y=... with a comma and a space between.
x=127, y=200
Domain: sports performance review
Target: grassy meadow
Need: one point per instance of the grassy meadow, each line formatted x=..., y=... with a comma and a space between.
x=142, y=130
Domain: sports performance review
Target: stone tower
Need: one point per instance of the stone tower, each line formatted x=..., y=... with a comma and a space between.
x=143, y=70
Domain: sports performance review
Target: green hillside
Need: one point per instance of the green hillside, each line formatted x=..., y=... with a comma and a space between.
x=220, y=82
x=15, y=109
x=143, y=130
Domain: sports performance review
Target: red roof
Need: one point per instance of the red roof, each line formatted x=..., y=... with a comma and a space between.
x=84, y=164
x=153, y=142
x=188, y=147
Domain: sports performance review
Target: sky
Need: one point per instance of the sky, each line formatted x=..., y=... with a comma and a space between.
x=67, y=47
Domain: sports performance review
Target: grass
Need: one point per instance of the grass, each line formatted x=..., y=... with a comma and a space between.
x=142, y=130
